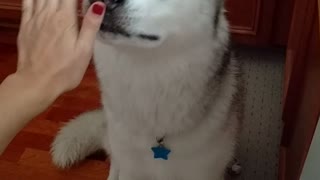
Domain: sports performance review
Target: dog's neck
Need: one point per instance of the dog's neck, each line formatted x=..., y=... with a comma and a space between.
x=145, y=87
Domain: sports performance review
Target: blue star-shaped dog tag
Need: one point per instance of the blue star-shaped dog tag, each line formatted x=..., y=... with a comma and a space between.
x=160, y=152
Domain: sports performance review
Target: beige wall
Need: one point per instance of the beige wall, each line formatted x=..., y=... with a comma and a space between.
x=311, y=169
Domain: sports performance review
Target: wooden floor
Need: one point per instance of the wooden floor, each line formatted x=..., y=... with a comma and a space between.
x=27, y=157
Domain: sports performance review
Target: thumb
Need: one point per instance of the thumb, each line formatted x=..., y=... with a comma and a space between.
x=90, y=26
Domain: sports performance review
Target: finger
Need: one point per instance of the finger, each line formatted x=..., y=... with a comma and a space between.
x=27, y=11
x=40, y=4
x=53, y=5
x=90, y=26
x=69, y=4
x=71, y=8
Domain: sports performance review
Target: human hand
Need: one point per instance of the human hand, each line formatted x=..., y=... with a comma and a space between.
x=50, y=47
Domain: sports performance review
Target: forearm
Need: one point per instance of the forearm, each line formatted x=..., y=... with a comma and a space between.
x=22, y=97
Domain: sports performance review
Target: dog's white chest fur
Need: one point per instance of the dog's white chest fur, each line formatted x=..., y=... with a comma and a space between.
x=152, y=96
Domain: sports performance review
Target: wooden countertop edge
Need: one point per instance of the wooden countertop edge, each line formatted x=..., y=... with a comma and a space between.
x=10, y=6
x=17, y=7
x=319, y=11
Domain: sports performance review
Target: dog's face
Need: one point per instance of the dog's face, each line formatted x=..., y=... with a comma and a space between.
x=152, y=22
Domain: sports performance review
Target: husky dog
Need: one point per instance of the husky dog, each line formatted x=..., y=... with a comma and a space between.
x=169, y=88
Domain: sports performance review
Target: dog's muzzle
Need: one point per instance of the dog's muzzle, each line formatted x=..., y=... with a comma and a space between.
x=112, y=24
x=110, y=4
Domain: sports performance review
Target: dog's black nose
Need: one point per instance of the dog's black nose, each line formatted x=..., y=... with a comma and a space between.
x=93, y=1
x=111, y=2
x=116, y=1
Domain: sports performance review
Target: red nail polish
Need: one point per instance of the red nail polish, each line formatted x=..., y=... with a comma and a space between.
x=98, y=9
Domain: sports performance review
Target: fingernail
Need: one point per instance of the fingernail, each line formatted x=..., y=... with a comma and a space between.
x=98, y=9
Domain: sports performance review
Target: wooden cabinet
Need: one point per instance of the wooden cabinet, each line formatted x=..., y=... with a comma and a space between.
x=302, y=89
x=253, y=22
x=9, y=20
x=244, y=16
x=10, y=13
x=260, y=22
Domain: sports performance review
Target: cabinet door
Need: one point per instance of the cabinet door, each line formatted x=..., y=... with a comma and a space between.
x=251, y=20
x=9, y=20
x=302, y=87
x=244, y=16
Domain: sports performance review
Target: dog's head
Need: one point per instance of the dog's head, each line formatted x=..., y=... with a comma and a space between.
x=152, y=22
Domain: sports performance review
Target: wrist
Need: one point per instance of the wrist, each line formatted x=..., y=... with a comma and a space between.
x=37, y=86
x=24, y=93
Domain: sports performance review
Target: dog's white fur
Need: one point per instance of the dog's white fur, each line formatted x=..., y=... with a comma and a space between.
x=151, y=89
